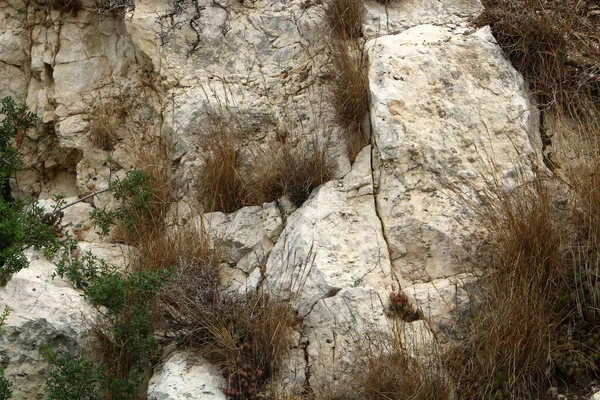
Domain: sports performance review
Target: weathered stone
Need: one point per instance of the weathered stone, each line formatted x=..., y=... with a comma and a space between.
x=333, y=241
x=12, y=49
x=449, y=114
x=245, y=237
x=185, y=375
x=396, y=16
x=46, y=311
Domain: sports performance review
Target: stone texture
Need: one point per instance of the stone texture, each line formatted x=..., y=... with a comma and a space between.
x=46, y=311
x=334, y=241
x=246, y=236
x=185, y=375
x=448, y=112
x=397, y=16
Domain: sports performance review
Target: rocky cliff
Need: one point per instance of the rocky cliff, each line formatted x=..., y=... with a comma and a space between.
x=447, y=115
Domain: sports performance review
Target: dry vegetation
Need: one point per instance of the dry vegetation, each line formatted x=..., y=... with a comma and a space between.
x=395, y=367
x=537, y=324
x=555, y=45
x=282, y=168
x=66, y=6
x=106, y=120
x=246, y=335
x=348, y=89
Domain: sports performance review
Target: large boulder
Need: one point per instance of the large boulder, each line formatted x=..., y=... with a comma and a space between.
x=449, y=116
x=46, y=311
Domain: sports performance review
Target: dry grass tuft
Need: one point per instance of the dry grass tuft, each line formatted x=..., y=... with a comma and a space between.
x=539, y=316
x=396, y=369
x=285, y=169
x=555, y=45
x=222, y=188
x=107, y=117
x=282, y=168
x=247, y=336
x=345, y=18
x=349, y=90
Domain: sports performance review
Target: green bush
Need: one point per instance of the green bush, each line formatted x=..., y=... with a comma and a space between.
x=72, y=377
x=22, y=223
x=5, y=384
x=136, y=205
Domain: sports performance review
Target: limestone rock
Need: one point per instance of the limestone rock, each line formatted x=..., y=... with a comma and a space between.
x=394, y=17
x=46, y=311
x=450, y=115
x=246, y=236
x=185, y=375
x=334, y=241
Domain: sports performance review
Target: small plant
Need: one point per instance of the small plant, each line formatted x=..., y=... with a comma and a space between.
x=400, y=306
x=135, y=211
x=80, y=270
x=72, y=377
x=5, y=384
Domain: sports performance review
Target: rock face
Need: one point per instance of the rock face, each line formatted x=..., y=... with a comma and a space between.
x=184, y=375
x=448, y=116
x=443, y=124
x=46, y=311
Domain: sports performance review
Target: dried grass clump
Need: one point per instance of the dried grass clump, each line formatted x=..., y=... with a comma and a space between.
x=399, y=376
x=281, y=168
x=348, y=93
x=107, y=117
x=345, y=18
x=285, y=169
x=538, y=319
x=247, y=336
x=395, y=367
x=222, y=188
x=555, y=45
x=348, y=89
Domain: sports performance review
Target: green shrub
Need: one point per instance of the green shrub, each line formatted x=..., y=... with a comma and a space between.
x=126, y=343
x=135, y=211
x=5, y=384
x=23, y=224
x=72, y=377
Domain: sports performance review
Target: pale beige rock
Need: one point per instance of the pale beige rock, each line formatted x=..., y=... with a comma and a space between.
x=448, y=111
x=46, y=311
x=333, y=241
x=185, y=375
x=396, y=16
x=246, y=236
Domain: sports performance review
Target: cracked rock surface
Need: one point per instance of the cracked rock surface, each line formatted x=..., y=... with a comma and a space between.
x=448, y=115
